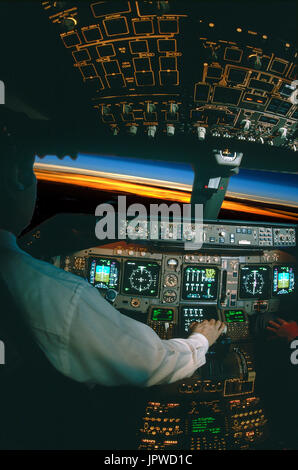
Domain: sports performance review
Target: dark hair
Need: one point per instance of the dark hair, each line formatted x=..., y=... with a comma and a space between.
x=22, y=137
x=16, y=135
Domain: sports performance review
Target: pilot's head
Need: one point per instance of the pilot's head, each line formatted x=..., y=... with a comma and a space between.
x=17, y=179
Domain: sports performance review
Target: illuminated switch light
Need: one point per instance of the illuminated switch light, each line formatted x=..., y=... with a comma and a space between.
x=170, y=130
x=201, y=132
x=283, y=132
x=151, y=131
x=246, y=124
x=133, y=130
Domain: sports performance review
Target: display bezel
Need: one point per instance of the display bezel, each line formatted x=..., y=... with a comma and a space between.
x=98, y=257
x=280, y=265
x=209, y=266
x=227, y=310
x=267, y=293
x=162, y=308
x=211, y=312
x=141, y=261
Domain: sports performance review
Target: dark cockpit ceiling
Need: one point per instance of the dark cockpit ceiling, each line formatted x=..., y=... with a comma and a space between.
x=112, y=73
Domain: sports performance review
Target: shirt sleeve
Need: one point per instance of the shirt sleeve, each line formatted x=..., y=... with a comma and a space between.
x=108, y=348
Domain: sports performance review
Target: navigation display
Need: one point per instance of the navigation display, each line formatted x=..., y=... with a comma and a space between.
x=254, y=282
x=104, y=273
x=200, y=282
x=141, y=277
x=283, y=280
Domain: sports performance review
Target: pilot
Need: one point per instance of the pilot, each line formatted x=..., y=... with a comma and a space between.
x=83, y=336
x=284, y=329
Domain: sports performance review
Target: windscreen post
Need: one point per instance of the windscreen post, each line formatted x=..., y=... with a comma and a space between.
x=211, y=180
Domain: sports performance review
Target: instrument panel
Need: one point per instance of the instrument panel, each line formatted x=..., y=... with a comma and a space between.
x=199, y=282
x=162, y=285
x=168, y=289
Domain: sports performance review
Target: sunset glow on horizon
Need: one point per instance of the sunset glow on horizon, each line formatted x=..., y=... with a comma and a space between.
x=150, y=191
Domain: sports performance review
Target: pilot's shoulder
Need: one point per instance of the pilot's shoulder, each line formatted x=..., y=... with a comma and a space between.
x=67, y=278
x=53, y=296
x=53, y=276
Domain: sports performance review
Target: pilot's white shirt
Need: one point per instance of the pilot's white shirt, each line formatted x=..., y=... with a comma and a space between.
x=83, y=335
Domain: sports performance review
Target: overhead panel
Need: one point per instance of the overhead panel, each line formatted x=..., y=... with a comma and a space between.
x=156, y=63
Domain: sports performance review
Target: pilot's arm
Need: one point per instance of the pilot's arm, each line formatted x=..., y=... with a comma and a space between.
x=105, y=347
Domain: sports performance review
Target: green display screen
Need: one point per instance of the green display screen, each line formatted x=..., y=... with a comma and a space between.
x=162, y=314
x=234, y=316
x=205, y=424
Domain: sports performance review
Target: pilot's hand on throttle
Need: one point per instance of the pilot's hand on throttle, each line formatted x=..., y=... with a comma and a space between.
x=211, y=329
x=283, y=329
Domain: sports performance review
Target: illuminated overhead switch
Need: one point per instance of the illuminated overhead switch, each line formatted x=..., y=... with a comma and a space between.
x=215, y=133
x=164, y=6
x=283, y=132
x=151, y=131
x=227, y=135
x=170, y=130
x=150, y=108
x=126, y=109
x=70, y=23
x=151, y=112
x=133, y=130
x=106, y=110
x=255, y=61
x=246, y=124
x=173, y=110
x=201, y=132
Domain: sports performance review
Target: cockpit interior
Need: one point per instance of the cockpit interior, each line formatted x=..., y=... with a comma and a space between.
x=188, y=109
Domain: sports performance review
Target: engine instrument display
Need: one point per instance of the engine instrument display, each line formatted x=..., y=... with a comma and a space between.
x=104, y=273
x=191, y=313
x=141, y=278
x=254, y=282
x=200, y=282
x=283, y=280
x=162, y=314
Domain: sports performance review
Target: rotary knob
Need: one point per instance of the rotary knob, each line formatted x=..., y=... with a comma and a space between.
x=111, y=295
